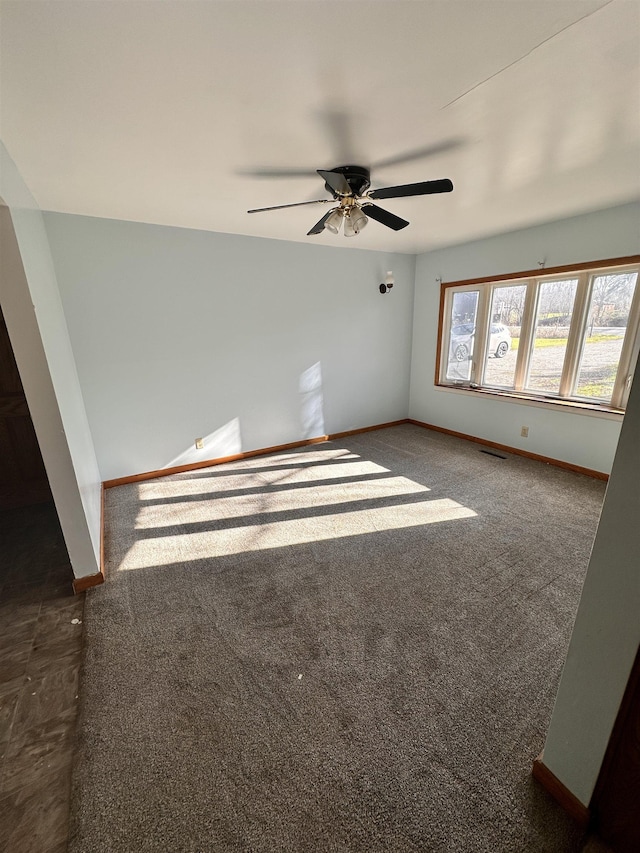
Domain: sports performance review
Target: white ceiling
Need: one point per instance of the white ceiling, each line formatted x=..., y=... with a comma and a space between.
x=161, y=111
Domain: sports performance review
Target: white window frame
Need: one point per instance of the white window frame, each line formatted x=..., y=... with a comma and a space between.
x=532, y=280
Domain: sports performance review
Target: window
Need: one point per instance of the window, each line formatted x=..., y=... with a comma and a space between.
x=562, y=335
x=464, y=305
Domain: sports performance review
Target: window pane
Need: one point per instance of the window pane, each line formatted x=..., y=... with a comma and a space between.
x=611, y=298
x=553, y=318
x=462, y=325
x=507, y=308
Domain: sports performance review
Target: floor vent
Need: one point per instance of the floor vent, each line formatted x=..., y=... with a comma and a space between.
x=491, y=453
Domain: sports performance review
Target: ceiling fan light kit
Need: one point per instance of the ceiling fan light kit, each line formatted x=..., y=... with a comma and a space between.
x=350, y=187
x=333, y=221
x=354, y=221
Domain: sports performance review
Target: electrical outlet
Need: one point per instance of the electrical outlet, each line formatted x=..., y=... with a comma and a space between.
x=524, y=432
x=199, y=444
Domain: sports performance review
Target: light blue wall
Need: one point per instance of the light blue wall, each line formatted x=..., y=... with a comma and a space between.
x=583, y=440
x=249, y=343
x=179, y=334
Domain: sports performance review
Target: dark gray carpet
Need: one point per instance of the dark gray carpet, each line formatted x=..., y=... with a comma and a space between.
x=353, y=647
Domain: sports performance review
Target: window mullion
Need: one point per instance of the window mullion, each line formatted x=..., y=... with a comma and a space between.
x=446, y=338
x=575, y=341
x=480, y=339
x=629, y=354
x=526, y=335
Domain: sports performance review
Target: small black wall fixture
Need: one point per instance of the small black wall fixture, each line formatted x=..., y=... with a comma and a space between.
x=387, y=283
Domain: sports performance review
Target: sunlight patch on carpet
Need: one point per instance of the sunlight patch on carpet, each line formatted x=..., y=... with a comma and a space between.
x=183, y=548
x=215, y=507
x=201, y=483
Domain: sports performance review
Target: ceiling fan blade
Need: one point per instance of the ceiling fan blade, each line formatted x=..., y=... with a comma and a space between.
x=419, y=153
x=336, y=181
x=297, y=204
x=383, y=216
x=423, y=188
x=318, y=228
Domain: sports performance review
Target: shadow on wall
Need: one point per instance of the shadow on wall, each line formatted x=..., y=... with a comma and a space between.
x=225, y=441
x=311, y=413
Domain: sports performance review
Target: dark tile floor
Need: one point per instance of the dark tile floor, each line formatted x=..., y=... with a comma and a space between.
x=40, y=651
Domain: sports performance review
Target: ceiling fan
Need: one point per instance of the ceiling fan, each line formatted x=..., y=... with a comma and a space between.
x=349, y=188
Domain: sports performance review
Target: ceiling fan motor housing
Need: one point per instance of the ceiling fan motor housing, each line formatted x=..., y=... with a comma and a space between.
x=358, y=178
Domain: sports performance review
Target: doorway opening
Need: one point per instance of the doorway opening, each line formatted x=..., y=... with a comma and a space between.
x=23, y=478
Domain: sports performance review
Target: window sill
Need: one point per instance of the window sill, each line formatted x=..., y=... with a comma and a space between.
x=570, y=406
